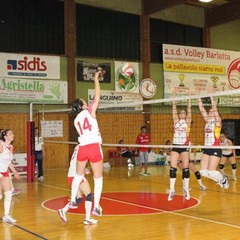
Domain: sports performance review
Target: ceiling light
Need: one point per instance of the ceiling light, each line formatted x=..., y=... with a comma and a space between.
x=205, y=1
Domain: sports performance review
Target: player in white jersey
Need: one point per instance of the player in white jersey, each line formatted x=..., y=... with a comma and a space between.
x=211, y=156
x=182, y=126
x=227, y=154
x=6, y=157
x=84, y=188
x=89, y=145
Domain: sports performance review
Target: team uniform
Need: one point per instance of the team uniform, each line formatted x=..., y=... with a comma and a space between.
x=226, y=152
x=143, y=139
x=212, y=138
x=89, y=137
x=6, y=157
x=181, y=136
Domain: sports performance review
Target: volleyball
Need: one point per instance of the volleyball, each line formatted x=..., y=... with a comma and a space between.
x=127, y=70
x=234, y=78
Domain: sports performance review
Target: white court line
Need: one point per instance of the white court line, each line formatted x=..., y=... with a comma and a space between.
x=160, y=210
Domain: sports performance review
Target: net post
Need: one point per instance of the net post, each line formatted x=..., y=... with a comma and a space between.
x=30, y=148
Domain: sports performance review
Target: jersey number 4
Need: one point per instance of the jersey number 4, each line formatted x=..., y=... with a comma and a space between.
x=85, y=126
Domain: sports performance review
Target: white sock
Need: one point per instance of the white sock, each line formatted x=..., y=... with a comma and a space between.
x=7, y=202
x=65, y=209
x=172, y=183
x=75, y=185
x=234, y=172
x=98, y=184
x=186, y=183
x=88, y=207
x=215, y=175
x=200, y=182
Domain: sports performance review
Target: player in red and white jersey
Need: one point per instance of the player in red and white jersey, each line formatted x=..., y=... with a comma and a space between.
x=84, y=188
x=89, y=145
x=182, y=126
x=6, y=157
x=227, y=154
x=143, y=139
x=211, y=156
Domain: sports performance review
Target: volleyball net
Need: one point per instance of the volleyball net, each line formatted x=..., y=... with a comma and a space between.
x=124, y=121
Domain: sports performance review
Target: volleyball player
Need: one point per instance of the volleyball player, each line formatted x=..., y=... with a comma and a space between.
x=227, y=154
x=84, y=188
x=6, y=157
x=182, y=126
x=89, y=148
x=211, y=156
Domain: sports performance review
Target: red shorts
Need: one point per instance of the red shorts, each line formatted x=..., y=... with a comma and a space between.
x=5, y=174
x=70, y=179
x=91, y=152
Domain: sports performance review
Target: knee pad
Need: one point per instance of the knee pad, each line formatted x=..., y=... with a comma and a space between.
x=204, y=173
x=197, y=174
x=185, y=173
x=78, y=200
x=89, y=197
x=234, y=166
x=221, y=166
x=173, y=172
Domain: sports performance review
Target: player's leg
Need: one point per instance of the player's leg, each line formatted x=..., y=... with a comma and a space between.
x=146, y=164
x=222, y=163
x=173, y=169
x=184, y=156
x=85, y=188
x=6, y=188
x=233, y=162
x=141, y=162
x=193, y=168
x=96, y=162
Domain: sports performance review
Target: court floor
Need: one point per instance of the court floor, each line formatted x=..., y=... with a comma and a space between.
x=133, y=208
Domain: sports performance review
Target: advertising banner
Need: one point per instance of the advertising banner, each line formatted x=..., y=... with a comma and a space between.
x=29, y=66
x=203, y=68
x=126, y=77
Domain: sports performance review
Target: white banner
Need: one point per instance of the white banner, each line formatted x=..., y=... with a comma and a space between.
x=109, y=98
x=192, y=67
x=52, y=128
x=26, y=90
x=29, y=66
x=126, y=77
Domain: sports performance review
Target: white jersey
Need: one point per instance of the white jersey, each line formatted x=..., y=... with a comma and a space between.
x=73, y=163
x=87, y=128
x=181, y=133
x=6, y=157
x=225, y=151
x=38, y=143
x=212, y=134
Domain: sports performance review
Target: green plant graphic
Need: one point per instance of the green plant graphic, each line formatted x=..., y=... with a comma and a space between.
x=55, y=89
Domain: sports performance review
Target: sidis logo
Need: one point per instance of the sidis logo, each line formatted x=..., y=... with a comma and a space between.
x=27, y=67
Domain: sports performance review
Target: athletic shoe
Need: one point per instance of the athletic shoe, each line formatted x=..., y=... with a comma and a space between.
x=186, y=193
x=234, y=178
x=225, y=182
x=41, y=179
x=72, y=205
x=203, y=188
x=16, y=191
x=62, y=215
x=171, y=195
x=90, y=221
x=147, y=174
x=97, y=211
x=8, y=219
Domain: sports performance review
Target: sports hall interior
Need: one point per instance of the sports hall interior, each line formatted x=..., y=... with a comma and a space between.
x=70, y=29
